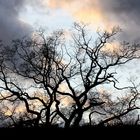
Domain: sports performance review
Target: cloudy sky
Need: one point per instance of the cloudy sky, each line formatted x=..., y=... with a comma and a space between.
x=20, y=17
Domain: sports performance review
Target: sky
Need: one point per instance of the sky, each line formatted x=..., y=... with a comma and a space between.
x=20, y=17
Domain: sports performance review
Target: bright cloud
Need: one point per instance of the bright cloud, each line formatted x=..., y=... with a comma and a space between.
x=86, y=11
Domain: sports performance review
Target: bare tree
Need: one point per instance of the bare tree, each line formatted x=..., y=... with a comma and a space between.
x=66, y=77
x=121, y=111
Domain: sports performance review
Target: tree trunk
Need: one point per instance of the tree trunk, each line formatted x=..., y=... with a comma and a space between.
x=67, y=124
x=78, y=119
x=47, y=124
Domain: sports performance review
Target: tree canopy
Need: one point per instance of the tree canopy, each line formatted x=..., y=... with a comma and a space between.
x=46, y=81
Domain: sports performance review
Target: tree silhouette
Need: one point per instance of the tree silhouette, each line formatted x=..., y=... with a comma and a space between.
x=57, y=83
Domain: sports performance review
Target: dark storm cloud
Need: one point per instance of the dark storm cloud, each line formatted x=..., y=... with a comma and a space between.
x=123, y=9
x=126, y=13
x=11, y=26
x=123, y=5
